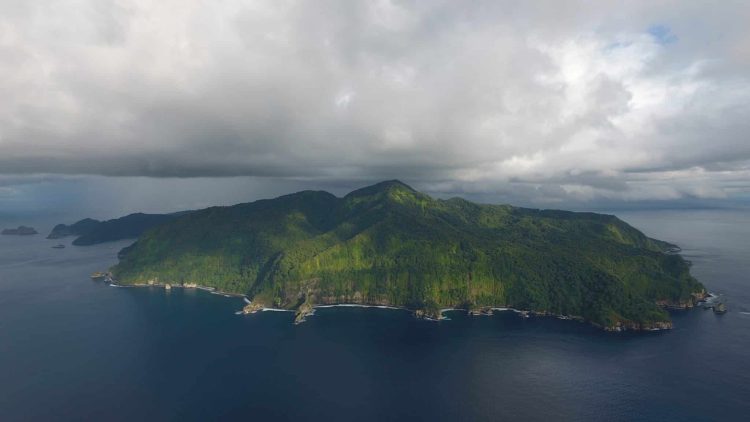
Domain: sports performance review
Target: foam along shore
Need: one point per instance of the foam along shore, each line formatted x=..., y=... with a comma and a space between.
x=168, y=286
x=307, y=310
x=357, y=305
x=301, y=314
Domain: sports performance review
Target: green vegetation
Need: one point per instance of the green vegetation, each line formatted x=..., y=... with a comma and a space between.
x=91, y=232
x=389, y=244
x=78, y=228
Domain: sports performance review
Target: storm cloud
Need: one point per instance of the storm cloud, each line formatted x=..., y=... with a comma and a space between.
x=548, y=101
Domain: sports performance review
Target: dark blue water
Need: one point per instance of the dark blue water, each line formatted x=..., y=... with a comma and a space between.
x=73, y=349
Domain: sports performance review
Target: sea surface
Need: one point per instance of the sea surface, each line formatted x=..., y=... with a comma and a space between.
x=74, y=349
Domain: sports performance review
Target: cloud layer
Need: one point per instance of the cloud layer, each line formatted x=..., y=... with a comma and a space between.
x=644, y=101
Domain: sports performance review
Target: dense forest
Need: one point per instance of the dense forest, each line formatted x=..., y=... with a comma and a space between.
x=389, y=244
x=91, y=232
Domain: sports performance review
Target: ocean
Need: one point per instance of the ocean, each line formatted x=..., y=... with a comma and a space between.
x=74, y=349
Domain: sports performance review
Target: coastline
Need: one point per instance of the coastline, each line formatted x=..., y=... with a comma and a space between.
x=301, y=315
x=306, y=309
x=168, y=286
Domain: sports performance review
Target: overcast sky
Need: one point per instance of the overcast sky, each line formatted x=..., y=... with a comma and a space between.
x=553, y=103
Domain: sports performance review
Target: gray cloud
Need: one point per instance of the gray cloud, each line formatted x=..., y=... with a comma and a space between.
x=540, y=100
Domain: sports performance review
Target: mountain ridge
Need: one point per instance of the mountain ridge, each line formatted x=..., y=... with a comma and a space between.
x=91, y=232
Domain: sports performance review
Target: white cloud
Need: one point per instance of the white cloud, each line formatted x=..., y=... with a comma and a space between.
x=570, y=101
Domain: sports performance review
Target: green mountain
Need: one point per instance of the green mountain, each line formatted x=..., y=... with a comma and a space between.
x=91, y=232
x=388, y=244
x=78, y=228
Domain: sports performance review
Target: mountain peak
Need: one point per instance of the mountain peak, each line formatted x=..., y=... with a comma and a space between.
x=385, y=186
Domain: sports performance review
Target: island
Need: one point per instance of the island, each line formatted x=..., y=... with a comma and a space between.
x=390, y=245
x=20, y=231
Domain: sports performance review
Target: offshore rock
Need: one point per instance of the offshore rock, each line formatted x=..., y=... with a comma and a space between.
x=20, y=231
x=304, y=310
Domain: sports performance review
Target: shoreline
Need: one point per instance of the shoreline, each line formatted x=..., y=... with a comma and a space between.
x=168, y=286
x=251, y=308
x=357, y=305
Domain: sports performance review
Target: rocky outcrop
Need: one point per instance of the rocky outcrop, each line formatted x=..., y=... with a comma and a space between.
x=252, y=308
x=688, y=303
x=303, y=311
x=101, y=276
x=480, y=311
x=429, y=314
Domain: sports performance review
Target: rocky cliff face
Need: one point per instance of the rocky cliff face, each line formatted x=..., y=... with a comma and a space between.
x=688, y=303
